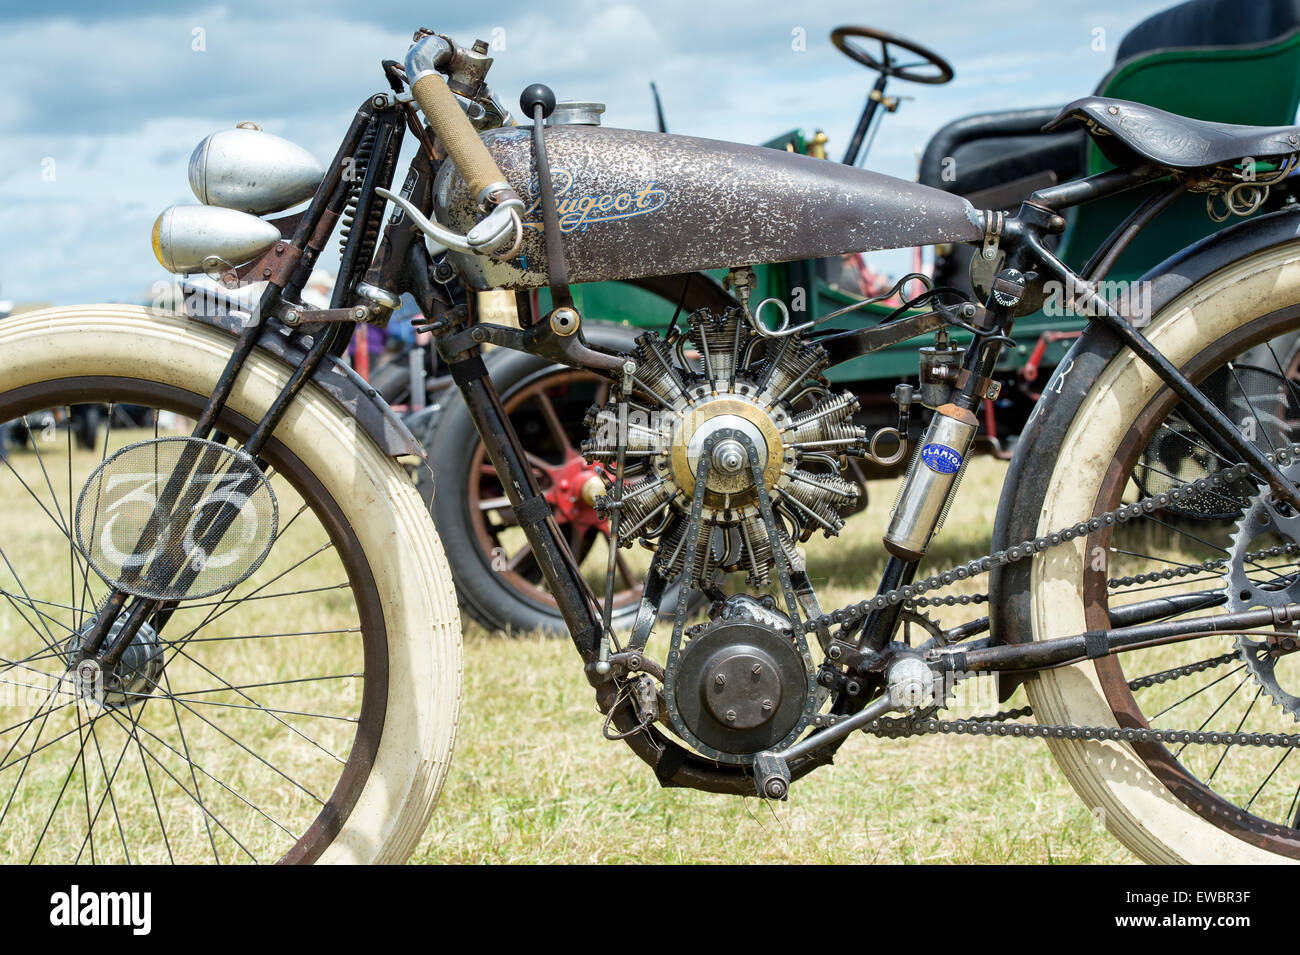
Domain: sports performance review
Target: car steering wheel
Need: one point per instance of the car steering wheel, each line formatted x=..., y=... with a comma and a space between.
x=932, y=68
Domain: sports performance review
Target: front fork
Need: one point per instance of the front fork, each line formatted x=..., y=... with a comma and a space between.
x=310, y=236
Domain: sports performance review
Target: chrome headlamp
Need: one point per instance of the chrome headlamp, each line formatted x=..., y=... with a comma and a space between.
x=252, y=171
x=238, y=174
x=190, y=239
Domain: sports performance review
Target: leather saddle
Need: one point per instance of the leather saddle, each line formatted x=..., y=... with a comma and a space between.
x=1172, y=141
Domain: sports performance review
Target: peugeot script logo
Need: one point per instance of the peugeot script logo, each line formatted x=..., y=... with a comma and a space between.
x=577, y=212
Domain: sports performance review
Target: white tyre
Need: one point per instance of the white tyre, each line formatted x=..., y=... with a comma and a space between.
x=308, y=714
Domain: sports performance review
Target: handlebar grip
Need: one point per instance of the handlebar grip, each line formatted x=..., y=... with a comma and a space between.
x=458, y=135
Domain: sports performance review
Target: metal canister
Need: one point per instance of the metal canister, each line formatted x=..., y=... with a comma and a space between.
x=576, y=114
x=940, y=364
x=938, y=462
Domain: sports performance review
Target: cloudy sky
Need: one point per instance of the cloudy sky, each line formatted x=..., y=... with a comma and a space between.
x=101, y=105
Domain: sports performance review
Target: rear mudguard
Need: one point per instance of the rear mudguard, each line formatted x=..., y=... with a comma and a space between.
x=334, y=377
x=1022, y=494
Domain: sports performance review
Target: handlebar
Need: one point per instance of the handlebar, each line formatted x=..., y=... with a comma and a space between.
x=426, y=57
x=458, y=135
x=487, y=183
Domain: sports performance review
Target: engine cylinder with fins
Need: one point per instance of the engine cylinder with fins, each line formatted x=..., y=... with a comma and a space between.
x=718, y=380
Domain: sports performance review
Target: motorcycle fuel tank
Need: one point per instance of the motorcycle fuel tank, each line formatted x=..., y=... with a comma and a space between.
x=634, y=204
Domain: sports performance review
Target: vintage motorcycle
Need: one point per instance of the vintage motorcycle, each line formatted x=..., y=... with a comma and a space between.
x=240, y=640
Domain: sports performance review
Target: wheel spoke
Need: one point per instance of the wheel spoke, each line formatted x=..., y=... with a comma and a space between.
x=1185, y=435
x=516, y=560
x=539, y=463
x=253, y=686
x=208, y=817
x=1228, y=748
x=272, y=636
x=495, y=503
x=107, y=795
x=257, y=756
x=1271, y=773
x=28, y=598
x=225, y=605
x=273, y=596
x=72, y=768
x=554, y=424
x=84, y=734
x=133, y=736
x=254, y=704
x=72, y=558
x=1198, y=692
x=1259, y=422
x=1218, y=709
x=194, y=780
x=243, y=799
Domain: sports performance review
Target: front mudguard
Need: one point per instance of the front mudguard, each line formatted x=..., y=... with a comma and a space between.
x=334, y=377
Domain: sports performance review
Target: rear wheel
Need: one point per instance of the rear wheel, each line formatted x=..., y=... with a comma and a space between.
x=305, y=715
x=1121, y=436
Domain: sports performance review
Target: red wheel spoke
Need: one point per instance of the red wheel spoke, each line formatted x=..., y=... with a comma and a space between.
x=540, y=463
x=555, y=424
x=564, y=480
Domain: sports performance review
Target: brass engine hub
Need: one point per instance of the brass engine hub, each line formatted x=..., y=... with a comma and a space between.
x=730, y=485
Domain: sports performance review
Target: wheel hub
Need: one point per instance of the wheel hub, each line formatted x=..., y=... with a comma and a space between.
x=132, y=680
x=572, y=493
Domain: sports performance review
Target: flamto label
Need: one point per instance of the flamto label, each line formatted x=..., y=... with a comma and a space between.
x=941, y=458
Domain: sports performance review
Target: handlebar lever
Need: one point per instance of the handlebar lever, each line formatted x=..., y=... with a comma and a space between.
x=486, y=236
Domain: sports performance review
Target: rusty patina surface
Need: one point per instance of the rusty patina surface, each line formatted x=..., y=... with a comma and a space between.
x=635, y=204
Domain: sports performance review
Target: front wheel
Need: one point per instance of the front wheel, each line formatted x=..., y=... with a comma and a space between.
x=1117, y=434
x=305, y=715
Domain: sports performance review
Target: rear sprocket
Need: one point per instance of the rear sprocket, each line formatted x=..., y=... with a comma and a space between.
x=1252, y=583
